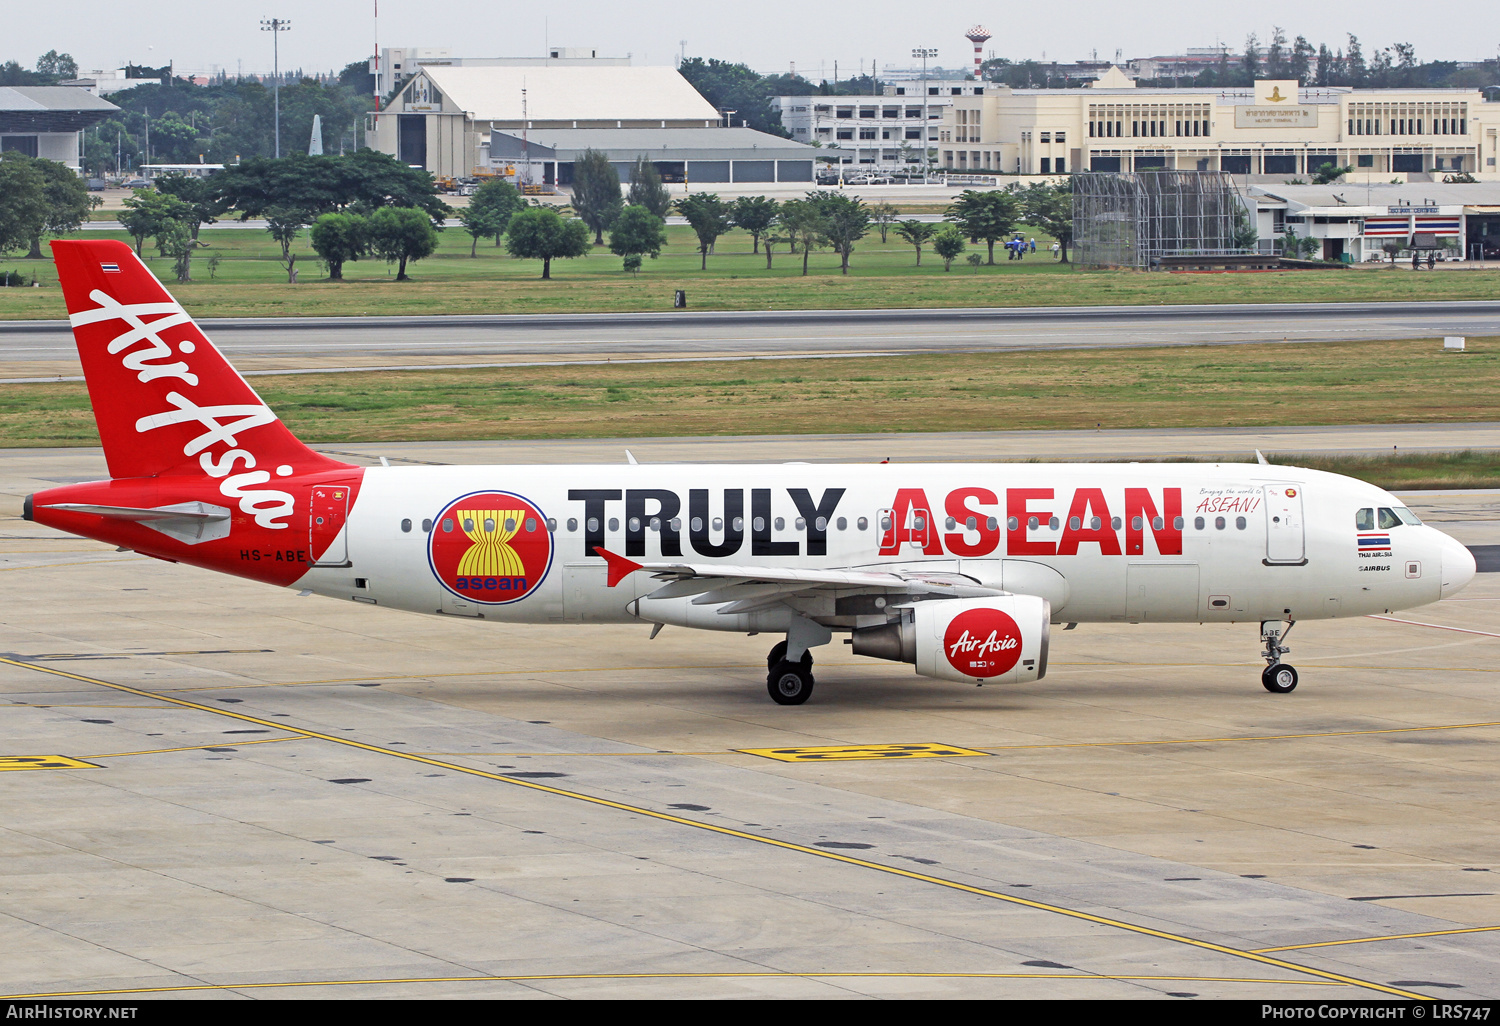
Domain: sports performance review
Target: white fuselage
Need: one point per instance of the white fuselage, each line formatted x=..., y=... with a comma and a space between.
x=1100, y=542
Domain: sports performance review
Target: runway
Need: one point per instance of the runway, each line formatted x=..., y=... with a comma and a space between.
x=218, y=788
x=43, y=349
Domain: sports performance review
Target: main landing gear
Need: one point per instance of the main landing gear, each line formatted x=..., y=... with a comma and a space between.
x=789, y=683
x=1278, y=678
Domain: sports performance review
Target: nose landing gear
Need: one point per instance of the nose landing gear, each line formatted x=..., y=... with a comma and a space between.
x=1278, y=678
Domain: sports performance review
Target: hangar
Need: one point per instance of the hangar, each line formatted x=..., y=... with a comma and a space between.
x=48, y=121
x=691, y=155
x=447, y=118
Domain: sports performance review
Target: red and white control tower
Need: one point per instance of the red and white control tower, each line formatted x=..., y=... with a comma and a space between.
x=978, y=35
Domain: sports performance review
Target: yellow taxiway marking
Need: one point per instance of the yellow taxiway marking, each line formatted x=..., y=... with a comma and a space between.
x=845, y=753
x=563, y=977
x=822, y=853
x=1376, y=940
x=201, y=748
x=42, y=762
x=953, y=751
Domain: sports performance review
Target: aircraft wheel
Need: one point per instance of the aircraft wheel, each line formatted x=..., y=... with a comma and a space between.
x=1279, y=679
x=789, y=683
x=778, y=654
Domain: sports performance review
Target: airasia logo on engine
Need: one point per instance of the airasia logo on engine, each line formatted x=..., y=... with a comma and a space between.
x=982, y=643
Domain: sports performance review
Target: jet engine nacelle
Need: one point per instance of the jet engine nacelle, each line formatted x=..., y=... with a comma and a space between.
x=1000, y=640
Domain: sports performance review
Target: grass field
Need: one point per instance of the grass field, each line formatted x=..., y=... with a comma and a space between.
x=1210, y=386
x=250, y=281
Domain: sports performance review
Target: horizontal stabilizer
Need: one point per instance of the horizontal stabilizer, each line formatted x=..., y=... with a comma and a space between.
x=189, y=522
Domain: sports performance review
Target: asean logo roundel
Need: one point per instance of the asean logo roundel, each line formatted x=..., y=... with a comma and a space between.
x=982, y=642
x=490, y=547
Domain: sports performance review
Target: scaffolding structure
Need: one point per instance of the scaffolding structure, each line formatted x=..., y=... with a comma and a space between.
x=1141, y=219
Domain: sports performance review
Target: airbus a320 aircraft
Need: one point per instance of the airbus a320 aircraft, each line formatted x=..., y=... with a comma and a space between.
x=960, y=569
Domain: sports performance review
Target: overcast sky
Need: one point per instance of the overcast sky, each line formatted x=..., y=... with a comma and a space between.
x=768, y=34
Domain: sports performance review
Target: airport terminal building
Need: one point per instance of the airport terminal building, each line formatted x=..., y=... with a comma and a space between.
x=1278, y=128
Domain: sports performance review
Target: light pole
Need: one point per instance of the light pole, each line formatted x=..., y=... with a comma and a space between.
x=276, y=26
x=924, y=52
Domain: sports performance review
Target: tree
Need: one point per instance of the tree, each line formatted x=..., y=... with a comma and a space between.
x=1276, y=55
x=1050, y=209
x=284, y=224
x=57, y=65
x=883, y=215
x=1328, y=173
x=1246, y=235
x=802, y=222
x=596, y=192
x=775, y=235
x=709, y=217
x=494, y=203
x=846, y=220
x=646, y=189
x=1302, y=55
x=948, y=243
x=148, y=212
x=322, y=185
x=985, y=216
x=401, y=235
x=197, y=193
x=916, y=233
x=174, y=238
x=537, y=233
x=338, y=238
x=1250, y=62
x=1354, y=63
x=23, y=203
x=357, y=78
x=637, y=232
x=66, y=198
x=755, y=214
x=738, y=88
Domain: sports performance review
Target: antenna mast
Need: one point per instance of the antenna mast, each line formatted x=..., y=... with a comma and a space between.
x=525, y=139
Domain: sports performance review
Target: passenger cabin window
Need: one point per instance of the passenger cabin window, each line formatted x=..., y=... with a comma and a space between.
x=406, y=527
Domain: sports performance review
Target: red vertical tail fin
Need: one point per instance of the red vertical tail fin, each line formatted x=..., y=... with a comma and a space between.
x=165, y=399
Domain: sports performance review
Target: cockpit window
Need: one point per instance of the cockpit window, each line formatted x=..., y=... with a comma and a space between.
x=1388, y=519
x=1364, y=520
x=1408, y=517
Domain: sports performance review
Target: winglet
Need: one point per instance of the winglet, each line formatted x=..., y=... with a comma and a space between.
x=1261, y=459
x=619, y=567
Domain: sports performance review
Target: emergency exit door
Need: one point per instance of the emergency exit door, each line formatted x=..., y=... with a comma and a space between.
x=1285, y=541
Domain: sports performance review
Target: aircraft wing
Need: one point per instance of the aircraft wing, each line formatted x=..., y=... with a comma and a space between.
x=750, y=586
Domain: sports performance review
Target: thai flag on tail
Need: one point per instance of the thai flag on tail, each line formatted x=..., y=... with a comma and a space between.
x=110, y=268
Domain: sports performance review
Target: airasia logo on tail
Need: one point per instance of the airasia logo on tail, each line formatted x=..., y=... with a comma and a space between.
x=982, y=643
x=490, y=547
